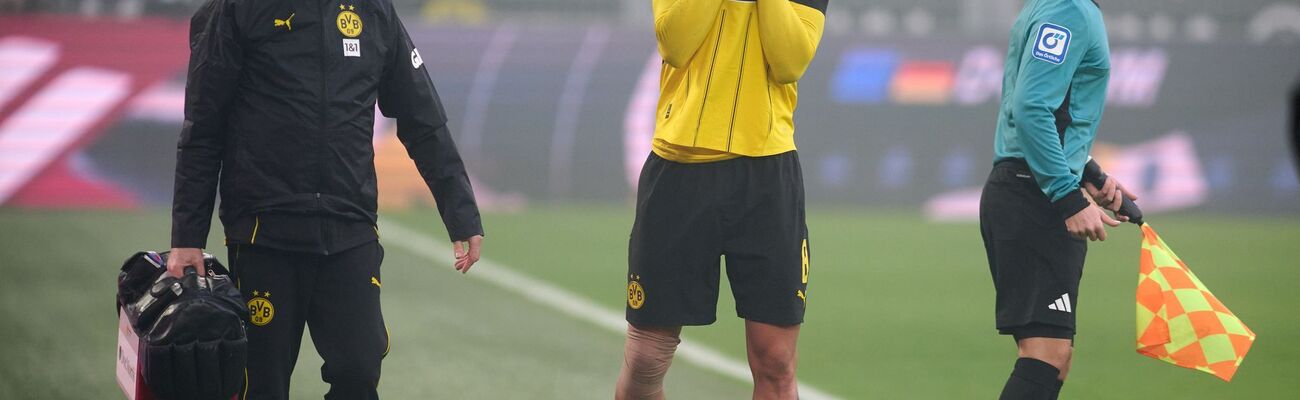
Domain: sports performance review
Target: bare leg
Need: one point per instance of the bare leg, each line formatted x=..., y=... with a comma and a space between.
x=772, y=360
x=1057, y=352
x=646, y=356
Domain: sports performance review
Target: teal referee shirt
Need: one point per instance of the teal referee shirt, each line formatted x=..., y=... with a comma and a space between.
x=1053, y=92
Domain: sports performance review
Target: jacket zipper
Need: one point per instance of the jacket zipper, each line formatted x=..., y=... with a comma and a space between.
x=324, y=105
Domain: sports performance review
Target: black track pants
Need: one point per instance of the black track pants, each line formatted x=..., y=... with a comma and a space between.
x=337, y=295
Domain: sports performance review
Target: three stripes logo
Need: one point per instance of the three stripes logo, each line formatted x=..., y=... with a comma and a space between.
x=1061, y=304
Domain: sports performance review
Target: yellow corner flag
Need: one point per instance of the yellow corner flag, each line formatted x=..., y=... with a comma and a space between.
x=1179, y=321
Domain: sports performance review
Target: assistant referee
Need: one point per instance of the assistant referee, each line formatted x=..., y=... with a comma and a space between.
x=723, y=180
x=279, y=113
x=1034, y=216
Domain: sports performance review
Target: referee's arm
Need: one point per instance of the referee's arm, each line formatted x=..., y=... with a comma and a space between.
x=790, y=33
x=407, y=94
x=216, y=60
x=681, y=27
x=1041, y=88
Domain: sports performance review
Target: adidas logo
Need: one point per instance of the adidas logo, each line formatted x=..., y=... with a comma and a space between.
x=1061, y=304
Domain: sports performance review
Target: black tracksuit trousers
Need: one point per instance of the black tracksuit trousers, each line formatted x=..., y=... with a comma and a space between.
x=337, y=295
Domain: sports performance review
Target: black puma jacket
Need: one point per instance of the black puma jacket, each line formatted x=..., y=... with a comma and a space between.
x=279, y=113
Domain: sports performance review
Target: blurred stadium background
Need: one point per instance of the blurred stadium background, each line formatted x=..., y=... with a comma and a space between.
x=552, y=103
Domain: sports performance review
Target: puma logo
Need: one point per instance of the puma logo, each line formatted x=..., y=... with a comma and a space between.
x=287, y=22
x=375, y=281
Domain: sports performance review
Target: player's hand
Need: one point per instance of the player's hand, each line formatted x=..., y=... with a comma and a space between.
x=466, y=258
x=179, y=258
x=1090, y=223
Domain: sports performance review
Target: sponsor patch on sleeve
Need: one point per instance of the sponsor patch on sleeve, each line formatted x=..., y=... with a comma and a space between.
x=1052, y=44
x=416, y=61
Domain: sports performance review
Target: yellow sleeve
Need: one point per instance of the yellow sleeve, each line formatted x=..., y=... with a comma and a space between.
x=681, y=27
x=790, y=32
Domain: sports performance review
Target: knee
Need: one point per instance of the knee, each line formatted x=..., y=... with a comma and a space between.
x=1059, y=355
x=1068, y=355
x=352, y=370
x=650, y=350
x=773, y=367
x=646, y=358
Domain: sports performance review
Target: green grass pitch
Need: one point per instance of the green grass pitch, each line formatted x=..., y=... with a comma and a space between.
x=899, y=308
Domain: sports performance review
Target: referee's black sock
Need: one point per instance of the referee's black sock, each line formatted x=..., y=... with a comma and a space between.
x=1056, y=390
x=1032, y=379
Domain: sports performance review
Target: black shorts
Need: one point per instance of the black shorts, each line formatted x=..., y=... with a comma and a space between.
x=1036, y=263
x=749, y=210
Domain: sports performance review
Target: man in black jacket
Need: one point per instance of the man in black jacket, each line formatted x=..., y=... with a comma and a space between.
x=279, y=113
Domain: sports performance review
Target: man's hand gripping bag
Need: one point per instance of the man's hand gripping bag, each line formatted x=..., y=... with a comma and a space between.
x=179, y=338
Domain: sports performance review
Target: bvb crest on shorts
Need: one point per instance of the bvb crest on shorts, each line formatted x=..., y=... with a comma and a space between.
x=260, y=309
x=635, y=294
x=349, y=23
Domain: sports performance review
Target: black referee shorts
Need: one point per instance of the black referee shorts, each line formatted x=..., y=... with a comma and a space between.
x=688, y=216
x=1035, y=262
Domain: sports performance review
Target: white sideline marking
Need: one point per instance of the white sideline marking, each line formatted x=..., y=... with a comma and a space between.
x=567, y=303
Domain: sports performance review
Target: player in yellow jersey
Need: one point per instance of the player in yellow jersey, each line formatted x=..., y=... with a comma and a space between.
x=723, y=181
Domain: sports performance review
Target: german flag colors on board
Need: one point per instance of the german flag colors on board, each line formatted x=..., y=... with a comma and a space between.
x=1179, y=321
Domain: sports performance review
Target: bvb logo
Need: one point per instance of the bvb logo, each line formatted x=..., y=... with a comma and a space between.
x=349, y=22
x=260, y=310
x=635, y=295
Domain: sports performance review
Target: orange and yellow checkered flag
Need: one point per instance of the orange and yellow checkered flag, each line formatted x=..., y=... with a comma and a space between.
x=1179, y=321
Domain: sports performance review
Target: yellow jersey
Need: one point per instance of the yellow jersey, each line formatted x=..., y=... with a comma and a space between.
x=729, y=84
